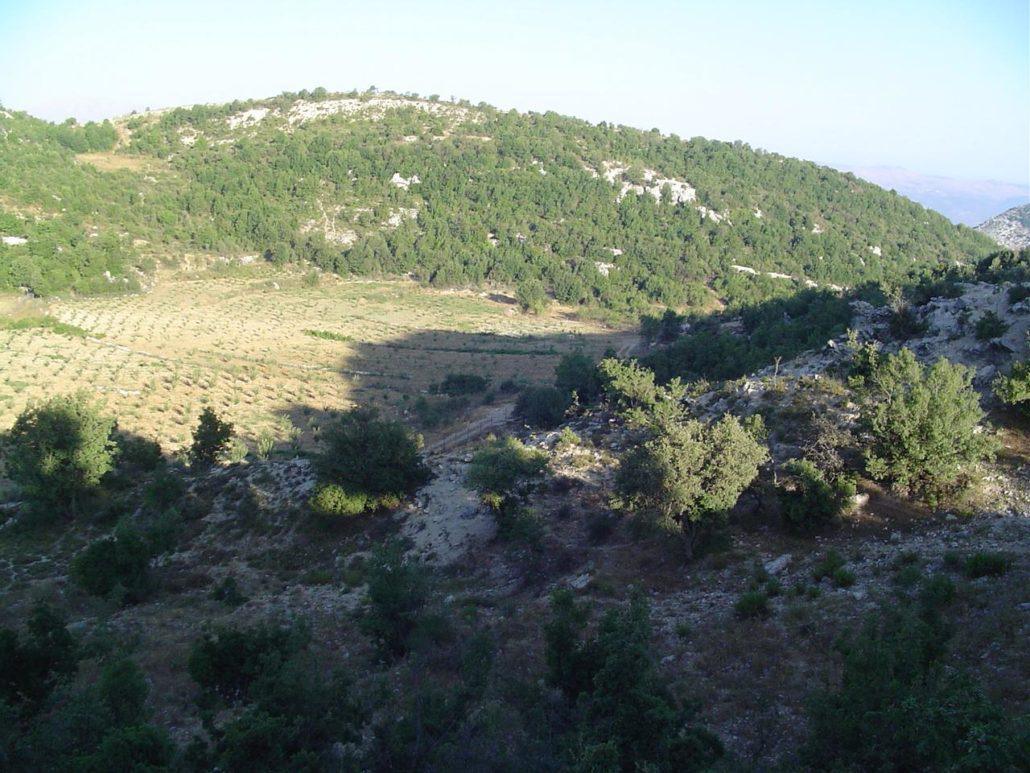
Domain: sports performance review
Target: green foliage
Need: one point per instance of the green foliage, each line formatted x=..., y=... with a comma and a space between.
x=397, y=597
x=455, y=384
x=43, y=322
x=504, y=466
x=531, y=296
x=377, y=458
x=226, y=662
x=542, y=407
x=60, y=450
x=139, y=453
x=776, y=328
x=243, y=192
x=119, y=562
x=691, y=473
x=625, y=716
x=752, y=603
x=332, y=501
x=577, y=374
x=1014, y=389
x=210, y=439
x=809, y=501
x=990, y=326
x=829, y=565
x=986, y=565
x=31, y=667
x=925, y=424
x=899, y=708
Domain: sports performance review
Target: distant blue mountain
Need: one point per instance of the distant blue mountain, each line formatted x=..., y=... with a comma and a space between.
x=962, y=201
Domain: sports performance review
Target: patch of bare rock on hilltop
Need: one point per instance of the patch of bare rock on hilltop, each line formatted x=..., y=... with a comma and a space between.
x=1010, y=229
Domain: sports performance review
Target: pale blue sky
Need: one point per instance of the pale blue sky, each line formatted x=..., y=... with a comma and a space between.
x=935, y=86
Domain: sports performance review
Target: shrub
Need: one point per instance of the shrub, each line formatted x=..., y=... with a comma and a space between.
x=754, y=603
x=531, y=296
x=60, y=450
x=898, y=709
x=226, y=661
x=364, y=454
x=625, y=716
x=925, y=425
x=831, y=563
x=119, y=561
x=455, y=384
x=577, y=374
x=986, y=565
x=330, y=500
x=1014, y=389
x=808, y=500
x=504, y=465
x=31, y=667
x=396, y=601
x=210, y=439
x=542, y=407
x=139, y=452
x=990, y=326
x=165, y=489
x=691, y=473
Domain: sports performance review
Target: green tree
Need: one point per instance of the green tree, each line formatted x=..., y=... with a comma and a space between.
x=504, y=465
x=397, y=596
x=925, y=425
x=1014, y=389
x=577, y=374
x=531, y=296
x=210, y=439
x=690, y=473
x=59, y=451
x=542, y=407
x=377, y=458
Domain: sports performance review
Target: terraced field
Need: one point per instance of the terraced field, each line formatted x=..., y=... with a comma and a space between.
x=272, y=350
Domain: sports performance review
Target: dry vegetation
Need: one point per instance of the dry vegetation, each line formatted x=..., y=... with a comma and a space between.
x=239, y=341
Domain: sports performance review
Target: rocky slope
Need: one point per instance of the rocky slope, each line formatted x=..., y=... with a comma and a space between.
x=1010, y=229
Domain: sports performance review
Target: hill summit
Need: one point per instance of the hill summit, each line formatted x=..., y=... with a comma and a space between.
x=452, y=194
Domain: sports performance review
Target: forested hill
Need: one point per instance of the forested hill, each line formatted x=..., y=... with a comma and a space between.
x=376, y=183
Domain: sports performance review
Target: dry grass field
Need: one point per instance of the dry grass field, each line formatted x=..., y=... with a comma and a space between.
x=241, y=341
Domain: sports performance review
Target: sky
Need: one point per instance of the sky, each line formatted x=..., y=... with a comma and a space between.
x=936, y=87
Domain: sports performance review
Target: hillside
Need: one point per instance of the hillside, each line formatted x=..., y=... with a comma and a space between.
x=1010, y=229
x=454, y=194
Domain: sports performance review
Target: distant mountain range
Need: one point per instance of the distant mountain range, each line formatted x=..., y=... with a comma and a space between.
x=1011, y=228
x=962, y=201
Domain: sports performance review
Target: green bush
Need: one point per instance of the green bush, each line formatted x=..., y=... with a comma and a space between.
x=990, y=326
x=31, y=667
x=330, y=500
x=986, y=565
x=227, y=661
x=378, y=458
x=1014, y=389
x=899, y=709
x=808, y=500
x=455, y=384
x=925, y=425
x=625, y=717
x=396, y=600
x=120, y=561
x=577, y=374
x=139, y=452
x=58, y=452
x=690, y=473
x=542, y=407
x=830, y=564
x=754, y=603
x=210, y=439
x=504, y=465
